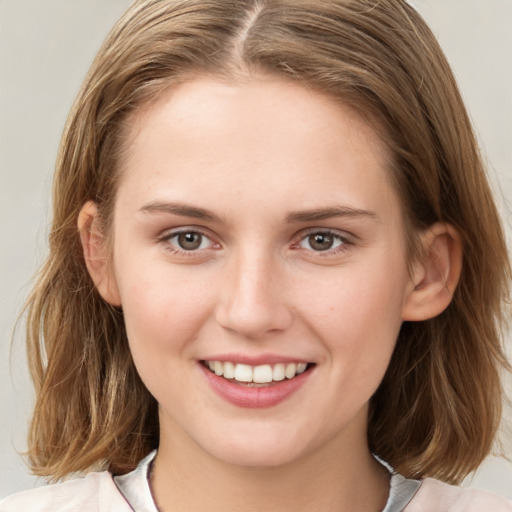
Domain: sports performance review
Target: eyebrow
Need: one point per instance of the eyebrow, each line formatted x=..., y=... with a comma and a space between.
x=328, y=213
x=185, y=210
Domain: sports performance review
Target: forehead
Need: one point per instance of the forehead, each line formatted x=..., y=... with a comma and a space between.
x=247, y=101
x=258, y=138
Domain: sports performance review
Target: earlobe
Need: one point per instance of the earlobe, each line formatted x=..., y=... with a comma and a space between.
x=95, y=254
x=436, y=275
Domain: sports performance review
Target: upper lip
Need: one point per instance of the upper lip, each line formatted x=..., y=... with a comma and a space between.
x=256, y=360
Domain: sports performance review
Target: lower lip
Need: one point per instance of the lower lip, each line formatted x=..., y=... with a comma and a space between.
x=255, y=397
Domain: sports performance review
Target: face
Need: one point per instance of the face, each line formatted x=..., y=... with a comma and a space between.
x=259, y=258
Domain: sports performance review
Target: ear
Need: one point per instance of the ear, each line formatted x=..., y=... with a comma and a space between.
x=436, y=275
x=95, y=253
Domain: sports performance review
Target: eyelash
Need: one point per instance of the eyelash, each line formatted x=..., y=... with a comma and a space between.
x=175, y=249
x=343, y=241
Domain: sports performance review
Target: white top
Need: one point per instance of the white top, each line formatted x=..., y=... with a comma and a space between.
x=101, y=492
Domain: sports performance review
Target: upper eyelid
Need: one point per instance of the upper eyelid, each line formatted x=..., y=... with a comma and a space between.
x=344, y=235
x=170, y=232
x=347, y=242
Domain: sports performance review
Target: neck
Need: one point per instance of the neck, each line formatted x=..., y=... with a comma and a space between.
x=332, y=478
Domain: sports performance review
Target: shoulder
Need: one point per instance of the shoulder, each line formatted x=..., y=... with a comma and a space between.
x=94, y=493
x=436, y=496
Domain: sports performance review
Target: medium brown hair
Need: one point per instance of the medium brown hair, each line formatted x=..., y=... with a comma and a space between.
x=438, y=408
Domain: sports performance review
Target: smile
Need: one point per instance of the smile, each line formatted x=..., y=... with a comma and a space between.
x=261, y=374
x=256, y=386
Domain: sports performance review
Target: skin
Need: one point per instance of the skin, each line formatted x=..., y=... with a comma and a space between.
x=259, y=157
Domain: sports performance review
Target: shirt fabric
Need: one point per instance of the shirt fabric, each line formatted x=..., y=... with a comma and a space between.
x=102, y=492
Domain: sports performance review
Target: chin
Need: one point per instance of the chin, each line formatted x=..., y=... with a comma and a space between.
x=258, y=449
x=256, y=457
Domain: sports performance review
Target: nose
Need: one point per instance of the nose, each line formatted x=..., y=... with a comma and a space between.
x=252, y=301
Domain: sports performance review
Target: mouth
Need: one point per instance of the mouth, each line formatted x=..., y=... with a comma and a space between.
x=264, y=375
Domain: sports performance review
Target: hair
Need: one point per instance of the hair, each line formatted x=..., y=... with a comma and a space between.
x=438, y=408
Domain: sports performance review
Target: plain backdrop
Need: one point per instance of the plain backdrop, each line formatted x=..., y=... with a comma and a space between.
x=46, y=47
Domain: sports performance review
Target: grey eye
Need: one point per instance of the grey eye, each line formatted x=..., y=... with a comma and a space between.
x=321, y=241
x=189, y=241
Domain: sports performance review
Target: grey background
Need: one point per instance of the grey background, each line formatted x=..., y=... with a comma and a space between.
x=46, y=47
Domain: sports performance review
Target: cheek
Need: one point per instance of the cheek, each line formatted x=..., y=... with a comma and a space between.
x=358, y=318
x=359, y=301
x=163, y=311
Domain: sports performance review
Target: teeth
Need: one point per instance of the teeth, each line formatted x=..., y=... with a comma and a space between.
x=243, y=373
x=301, y=368
x=278, y=372
x=262, y=374
x=229, y=370
x=291, y=370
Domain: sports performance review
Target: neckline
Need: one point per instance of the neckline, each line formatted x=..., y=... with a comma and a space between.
x=136, y=489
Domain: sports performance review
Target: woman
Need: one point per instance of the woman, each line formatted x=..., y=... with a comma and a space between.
x=274, y=253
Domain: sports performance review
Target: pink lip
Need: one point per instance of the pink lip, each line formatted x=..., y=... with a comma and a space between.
x=254, y=397
x=255, y=360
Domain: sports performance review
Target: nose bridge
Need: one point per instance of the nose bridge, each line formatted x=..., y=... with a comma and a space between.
x=252, y=301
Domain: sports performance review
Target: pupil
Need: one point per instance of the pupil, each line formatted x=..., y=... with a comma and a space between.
x=189, y=241
x=321, y=241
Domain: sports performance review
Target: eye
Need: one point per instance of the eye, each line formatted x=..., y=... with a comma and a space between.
x=321, y=241
x=189, y=241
